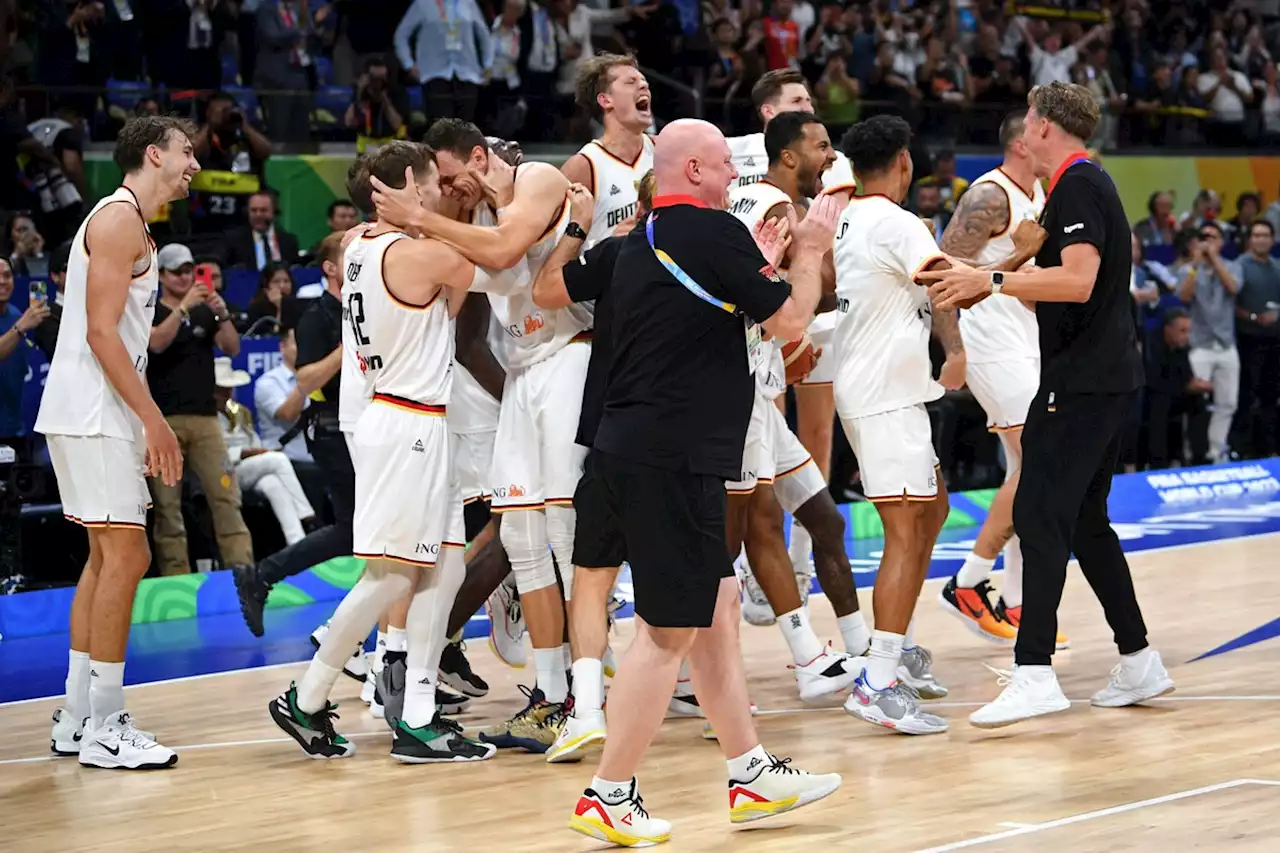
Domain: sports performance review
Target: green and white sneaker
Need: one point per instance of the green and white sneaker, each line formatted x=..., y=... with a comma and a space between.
x=313, y=732
x=439, y=742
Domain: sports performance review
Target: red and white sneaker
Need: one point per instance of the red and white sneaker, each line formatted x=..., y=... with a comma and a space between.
x=776, y=787
x=619, y=817
x=830, y=672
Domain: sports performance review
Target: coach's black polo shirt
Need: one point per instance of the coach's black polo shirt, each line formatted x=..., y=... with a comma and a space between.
x=319, y=333
x=1088, y=347
x=588, y=280
x=679, y=391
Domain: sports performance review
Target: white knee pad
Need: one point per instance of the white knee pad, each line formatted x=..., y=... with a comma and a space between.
x=524, y=537
x=561, y=521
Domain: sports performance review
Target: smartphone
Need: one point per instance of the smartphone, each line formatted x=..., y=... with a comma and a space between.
x=38, y=290
x=204, y=275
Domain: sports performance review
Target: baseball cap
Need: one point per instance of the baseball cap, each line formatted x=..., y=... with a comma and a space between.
x=173, y=256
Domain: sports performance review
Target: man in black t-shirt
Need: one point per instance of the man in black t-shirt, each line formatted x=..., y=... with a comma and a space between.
x=686, y=316
x=189, y=322
x=1090, y=371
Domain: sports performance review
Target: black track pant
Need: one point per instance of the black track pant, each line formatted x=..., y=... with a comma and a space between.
x=1071, y=444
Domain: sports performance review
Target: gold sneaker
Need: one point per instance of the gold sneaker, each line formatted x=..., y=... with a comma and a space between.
x=534, y=729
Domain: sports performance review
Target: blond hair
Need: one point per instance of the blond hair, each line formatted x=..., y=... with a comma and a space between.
x=1068, y=105
x=594, y=78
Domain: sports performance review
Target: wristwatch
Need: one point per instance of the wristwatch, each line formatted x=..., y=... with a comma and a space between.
x=575, y=231
x=997, y=282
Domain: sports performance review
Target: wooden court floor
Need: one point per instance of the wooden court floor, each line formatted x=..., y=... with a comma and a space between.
x=1200, y=770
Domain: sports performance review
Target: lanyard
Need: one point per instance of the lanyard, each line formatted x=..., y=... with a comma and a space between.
x=1062, y=170
x=448, y=14
x=682, y=276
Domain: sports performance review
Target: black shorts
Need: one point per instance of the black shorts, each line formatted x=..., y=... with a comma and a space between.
x=597, y=540
x=673, y=528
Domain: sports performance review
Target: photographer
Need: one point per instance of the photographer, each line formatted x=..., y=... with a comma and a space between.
x=231, y=155
x=378, y=113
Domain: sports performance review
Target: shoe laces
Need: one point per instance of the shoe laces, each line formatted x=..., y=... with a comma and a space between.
x=635, y=800
x=780, y=765
x=752, y=588
x=1012, y=686
x=514, y=612
x=461, y=666
x=1117, y=676
x=130, y=733
x=446, y=724
x=322, y=720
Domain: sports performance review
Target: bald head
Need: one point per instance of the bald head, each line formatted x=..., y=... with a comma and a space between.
x=691, y=157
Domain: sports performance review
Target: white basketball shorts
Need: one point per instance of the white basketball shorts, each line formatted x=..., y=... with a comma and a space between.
x=796, y=476
x=895, y=454
x=1004, y=389
x=536, y=460
x=474, y=460
x=407, y=501
x=101, y=479
x=757, y=454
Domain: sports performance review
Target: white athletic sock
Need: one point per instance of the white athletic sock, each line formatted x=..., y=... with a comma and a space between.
x=397, y=639
x=106, y=690
x=854, y=631
x=77, y=701
x=1011, y=588
x=909, y=639
x=379, y=650
x=741, y=768
x=611, y=792
x=799, y=635
x=316, y=685
x=567, y=652
x=419, y=696
x=800, y=548
x=551, y=680
x=588, y=686
x=882, y=660
x=974, y=571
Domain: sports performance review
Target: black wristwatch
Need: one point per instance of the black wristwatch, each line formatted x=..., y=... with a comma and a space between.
x=575, y=231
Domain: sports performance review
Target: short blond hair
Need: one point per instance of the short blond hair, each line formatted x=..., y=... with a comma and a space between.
x=595, y=75
x=330, y=249
x=1068, y=105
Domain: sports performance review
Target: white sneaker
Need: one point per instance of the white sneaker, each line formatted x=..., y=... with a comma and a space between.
x=1029, y=691
x=67, y=733
x=776, y=788
x=620, y=819
x=804, y=584
x=578, y=732
x=356, y=666
x=895, y=708
x=118, y=745
x=830, y=672
x=369, y=688
x=683, y=702
x=756, y=609
x=506, y=626
x=916, y=671
x=1135, y=679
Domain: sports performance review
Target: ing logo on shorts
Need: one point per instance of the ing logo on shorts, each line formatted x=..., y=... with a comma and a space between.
x=423, y=549
x=511, y=491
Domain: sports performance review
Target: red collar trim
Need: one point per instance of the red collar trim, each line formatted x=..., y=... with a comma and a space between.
x=1079, y=157
x=673, y=200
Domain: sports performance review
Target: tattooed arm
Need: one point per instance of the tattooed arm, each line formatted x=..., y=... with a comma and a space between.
x=983, y=212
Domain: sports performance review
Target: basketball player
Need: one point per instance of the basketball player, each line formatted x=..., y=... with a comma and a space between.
x=403, y=333
x=536, y=463
x=777, y=92
x=1002, y=358
x=106, y=435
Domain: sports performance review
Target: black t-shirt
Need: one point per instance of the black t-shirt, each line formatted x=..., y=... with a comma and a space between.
x=679, y=390
x=586, y=280
x=319, y=333
x=181, y=377
x=1089, y=347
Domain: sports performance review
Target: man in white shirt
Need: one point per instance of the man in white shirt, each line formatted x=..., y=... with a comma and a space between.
x=279, y=403
x=1227, y=93
x=1050, y=61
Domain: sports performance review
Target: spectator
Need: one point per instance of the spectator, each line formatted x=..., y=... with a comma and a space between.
x=266, y=310
x=449, y=57
x=1257, y=309
x=147, y=106
x=279, y=403
x=1174, y=392
x=340, y=218
x=1248, y=208
x=837, y=94
x=259, y=243
x=269, y=473
x=1209, y=285
x=27, y=256
x=1188, y=128
x=189, y=322
x=726, y=68
x=1273, y=215
x=1153, y=104
x=1205, y=207
x=380, y=110
x=951, y=185
x=1159, y=226
x=946, y=88
x=282, y=66
x=14, y=327
x=1050, y=61
x=892, y=90
x=1111, y=98
x=186, y=39
x=364, y=30
x=504, y=104
x=928, y=205
x=1270, y=94
x=781, y=37
x=1153, y=288
x=997, y=83
x=232, y=154
x=827, y=38
x=58, y=180
x=1227, y=93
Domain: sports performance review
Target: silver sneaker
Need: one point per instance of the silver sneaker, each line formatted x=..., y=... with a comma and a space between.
x=893, y=708
x=1133, y=681
x=916, y=671
x=756, y=609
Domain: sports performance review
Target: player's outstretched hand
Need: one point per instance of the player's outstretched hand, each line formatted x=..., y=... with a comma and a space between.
x=818, y=228
x=772, y=239
x=1028, y=236
x=164, y=456
x=396, y=206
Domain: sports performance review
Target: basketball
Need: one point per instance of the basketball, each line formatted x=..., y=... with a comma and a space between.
x=799, y=358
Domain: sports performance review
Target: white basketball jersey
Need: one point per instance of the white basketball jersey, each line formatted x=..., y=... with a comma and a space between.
x=407, y=349
x=473, y=409
x=533, y=334
x=615, y=186
x=78, y=398
x=750, y=203
x=751, y=161
x=1000, y=327
x=882, y=335
x=356, y=376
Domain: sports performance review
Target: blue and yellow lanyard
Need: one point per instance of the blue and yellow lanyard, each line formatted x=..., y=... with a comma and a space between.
x=680, y=275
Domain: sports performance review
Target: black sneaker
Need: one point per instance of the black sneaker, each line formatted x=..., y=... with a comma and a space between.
x=438, y=742
x=253, y=596
x=313, y=732
x=455, y=671
x=451, y=703
x=390, y=688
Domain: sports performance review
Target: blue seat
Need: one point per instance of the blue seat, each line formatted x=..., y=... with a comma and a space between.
x=230, y=70
x=324, y=70
x=417, y=106
x=123, y=96
x=331, y=104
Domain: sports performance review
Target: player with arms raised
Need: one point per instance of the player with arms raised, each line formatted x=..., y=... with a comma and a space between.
x=106, y=434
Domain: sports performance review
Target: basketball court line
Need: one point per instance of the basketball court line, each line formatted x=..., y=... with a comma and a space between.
x=1031, y=828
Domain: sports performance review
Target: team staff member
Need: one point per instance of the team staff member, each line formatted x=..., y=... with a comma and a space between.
x=1090, y=372
x=690, y=293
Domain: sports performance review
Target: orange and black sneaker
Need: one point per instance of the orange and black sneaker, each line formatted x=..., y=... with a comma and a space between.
x=1013, y=616
x=972, y=605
